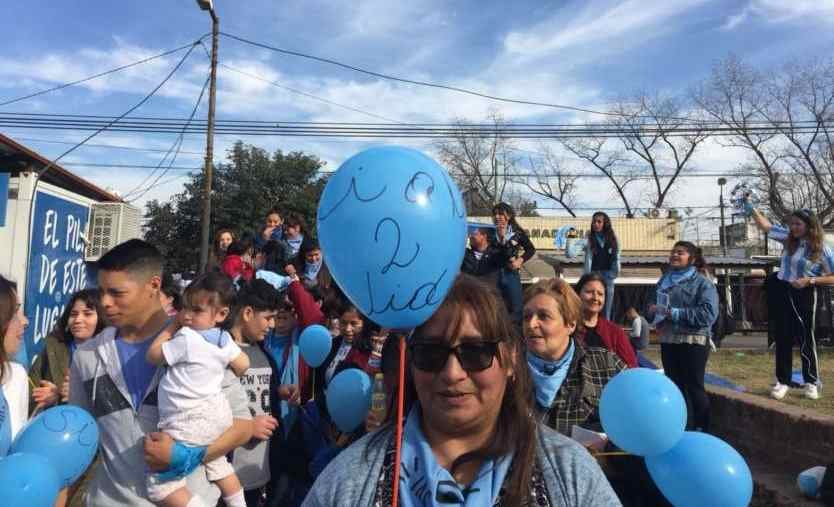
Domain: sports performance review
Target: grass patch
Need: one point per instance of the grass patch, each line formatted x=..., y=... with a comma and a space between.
x=755, y=371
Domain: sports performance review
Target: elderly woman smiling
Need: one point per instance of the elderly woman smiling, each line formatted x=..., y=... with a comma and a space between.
x=470, y=438
x=568, y=377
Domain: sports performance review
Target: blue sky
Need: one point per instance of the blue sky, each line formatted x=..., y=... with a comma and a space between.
x=582, y=53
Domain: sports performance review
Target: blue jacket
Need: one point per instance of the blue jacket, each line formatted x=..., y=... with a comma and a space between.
x=694, y=304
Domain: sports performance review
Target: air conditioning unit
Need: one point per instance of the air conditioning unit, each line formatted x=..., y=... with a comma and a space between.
x=111, y=223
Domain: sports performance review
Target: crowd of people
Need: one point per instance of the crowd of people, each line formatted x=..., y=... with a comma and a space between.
x=202, y=395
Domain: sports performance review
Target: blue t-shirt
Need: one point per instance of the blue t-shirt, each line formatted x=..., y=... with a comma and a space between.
x=136, y=370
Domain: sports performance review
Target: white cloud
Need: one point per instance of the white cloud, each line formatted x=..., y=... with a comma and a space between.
x=781, y=11
x=599, y=27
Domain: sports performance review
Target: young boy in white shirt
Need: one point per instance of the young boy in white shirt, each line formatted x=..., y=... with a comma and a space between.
x=192, y=409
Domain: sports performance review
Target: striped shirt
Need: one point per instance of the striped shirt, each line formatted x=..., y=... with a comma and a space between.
x=798, y=265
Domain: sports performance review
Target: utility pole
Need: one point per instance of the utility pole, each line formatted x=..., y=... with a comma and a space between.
x=721, y=183
x=205, y=222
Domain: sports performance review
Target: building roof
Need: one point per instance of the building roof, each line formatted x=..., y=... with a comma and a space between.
x=16, y=158
x=717, y=261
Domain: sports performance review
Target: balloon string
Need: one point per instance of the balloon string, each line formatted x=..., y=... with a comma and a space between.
x=612, y=453
x=400, y=417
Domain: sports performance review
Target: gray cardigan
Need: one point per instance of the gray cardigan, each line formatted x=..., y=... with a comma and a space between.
x=572, y=476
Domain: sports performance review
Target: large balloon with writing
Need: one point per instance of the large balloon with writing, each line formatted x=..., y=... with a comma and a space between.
x=67, y=436
x=392, y=226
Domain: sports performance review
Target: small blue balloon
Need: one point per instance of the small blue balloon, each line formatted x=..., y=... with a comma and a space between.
x=702, y=470
x=28, y=480
x=66, y=435
x=315, y=343
x=349, y=398
x=392, y=226
x=643, y=412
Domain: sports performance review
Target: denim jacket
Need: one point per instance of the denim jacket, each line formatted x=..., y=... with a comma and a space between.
x=694, y=302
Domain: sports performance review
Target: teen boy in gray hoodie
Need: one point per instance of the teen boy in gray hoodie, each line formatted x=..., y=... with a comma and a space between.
x=111, y=379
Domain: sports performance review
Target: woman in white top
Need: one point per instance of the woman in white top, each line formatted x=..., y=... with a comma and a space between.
x=792, y=295
x=14, y=396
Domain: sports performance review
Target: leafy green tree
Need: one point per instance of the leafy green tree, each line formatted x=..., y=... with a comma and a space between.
x=244, y=188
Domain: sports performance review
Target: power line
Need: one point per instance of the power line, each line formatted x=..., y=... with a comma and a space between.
x=110, y=146
x=101, y=74
x=179, y=140
x=433, y=85
x=310, y=95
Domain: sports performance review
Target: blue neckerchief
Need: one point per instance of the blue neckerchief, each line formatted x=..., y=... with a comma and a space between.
x=275, y=346
x=5, y=425
x=277, y=233
x=548, y=376
x=289, y=376
x=600, y=239
x=676, y=276
x=424, y=483
x=287, y=372
x=71, y=347
x=311, y=270
x=508, y=234
x=216, y=336
x=295, y=244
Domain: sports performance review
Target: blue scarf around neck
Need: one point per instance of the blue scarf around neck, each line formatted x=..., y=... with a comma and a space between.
x=295, y=244
x=675, y=277
x=548, y=376
x=287, y=372
x=311, y=270
x=426, y=484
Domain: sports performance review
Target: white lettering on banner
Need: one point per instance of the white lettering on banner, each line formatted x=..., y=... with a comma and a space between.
x=48, y=274
x=75, y=276
x=45, y=320
x=57, y=268
x=50, y=236
x=74, y=243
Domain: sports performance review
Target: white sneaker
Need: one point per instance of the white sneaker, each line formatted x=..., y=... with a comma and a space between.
x=779, y=391
x=811, y=392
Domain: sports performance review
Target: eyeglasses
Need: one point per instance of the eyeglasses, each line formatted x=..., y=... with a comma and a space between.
x=472, y=356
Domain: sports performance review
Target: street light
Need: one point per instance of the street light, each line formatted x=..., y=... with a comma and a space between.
x=721, y=183
x=205, y=221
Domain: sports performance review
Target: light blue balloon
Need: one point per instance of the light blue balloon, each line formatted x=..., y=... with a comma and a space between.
x=702, y=470
x=643, y=412
x=315, y=343
x=349, y=399
x=28, y=480
x=66, y=435
x=392, y=226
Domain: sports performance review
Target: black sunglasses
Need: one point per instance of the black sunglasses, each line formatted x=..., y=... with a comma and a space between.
x=472, y=356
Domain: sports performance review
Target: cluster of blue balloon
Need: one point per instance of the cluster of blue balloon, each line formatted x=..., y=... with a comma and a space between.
x=392, y=225
x=644, y=413
x=49, y=454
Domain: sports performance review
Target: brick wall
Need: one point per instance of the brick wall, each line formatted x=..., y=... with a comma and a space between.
x=779, y=436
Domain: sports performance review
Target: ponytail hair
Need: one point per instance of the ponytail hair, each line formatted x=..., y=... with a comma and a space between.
x=696, y=255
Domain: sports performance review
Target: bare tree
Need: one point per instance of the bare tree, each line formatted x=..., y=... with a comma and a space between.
x=548, y=179
x=591, y=149
x=482, y=164
x=801, y=109
x=785, y=119
x=660, y=133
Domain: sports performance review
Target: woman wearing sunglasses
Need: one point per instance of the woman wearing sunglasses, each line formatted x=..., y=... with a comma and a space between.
x=568, y=376
x=792, y=297
x=469, y=436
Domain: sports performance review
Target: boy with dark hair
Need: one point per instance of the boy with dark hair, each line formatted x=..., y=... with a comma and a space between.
x=251, y=320
x=111, y=379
